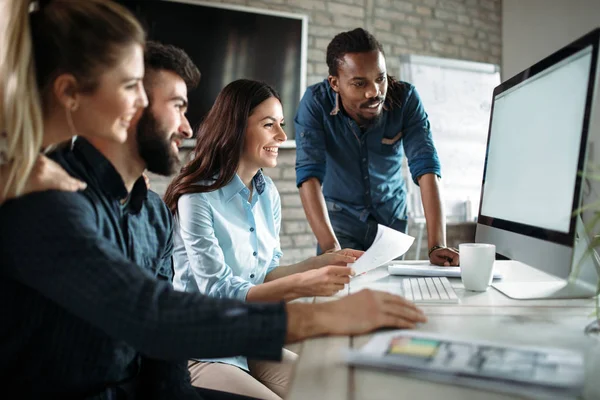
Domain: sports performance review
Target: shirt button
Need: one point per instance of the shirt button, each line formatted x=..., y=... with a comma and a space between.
x=367, y=192
x=366, y=177
x=251, y=275
x=254, y=254
x=364, y=160
x=251, y=229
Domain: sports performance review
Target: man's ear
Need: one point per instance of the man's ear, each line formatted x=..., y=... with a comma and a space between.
x=65, y=89
x=334, y=83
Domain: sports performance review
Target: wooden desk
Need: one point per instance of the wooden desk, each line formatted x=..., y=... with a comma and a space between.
x=322, y=374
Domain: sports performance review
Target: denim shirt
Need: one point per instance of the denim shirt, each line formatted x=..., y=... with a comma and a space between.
x=224, y=244
x=361, y=172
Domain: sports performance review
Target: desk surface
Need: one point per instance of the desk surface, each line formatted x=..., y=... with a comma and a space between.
x=321, y=373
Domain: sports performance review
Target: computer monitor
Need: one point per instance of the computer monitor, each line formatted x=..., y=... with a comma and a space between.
x=543, y=126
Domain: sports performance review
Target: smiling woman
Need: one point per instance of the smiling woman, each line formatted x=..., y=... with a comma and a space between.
x=227, y=224
x=68, y=67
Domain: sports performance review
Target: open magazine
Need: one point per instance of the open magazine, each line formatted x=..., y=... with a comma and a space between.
x=538, y=372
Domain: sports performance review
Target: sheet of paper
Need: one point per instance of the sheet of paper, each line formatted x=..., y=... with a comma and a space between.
x=388, y=244
x=425, y=268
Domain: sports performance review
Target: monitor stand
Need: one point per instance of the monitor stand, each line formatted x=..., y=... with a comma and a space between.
x=585, y=269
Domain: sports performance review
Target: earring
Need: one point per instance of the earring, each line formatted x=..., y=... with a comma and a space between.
x=72, y=107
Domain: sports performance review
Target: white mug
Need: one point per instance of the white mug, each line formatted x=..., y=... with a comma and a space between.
x=477, y=265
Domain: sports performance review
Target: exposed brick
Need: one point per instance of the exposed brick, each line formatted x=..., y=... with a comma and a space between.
x=286, y=186
x=290, y=227
x=434, y=24
x=290, y=200
x=391, y=38
x=391, y=15
x=411, y=19
x=316, y=55
x=382, y=24
x=285, y=241
x=305, y=240
x=344, y=9
x=323, y=31
x=447, y=50
x=321, y=19
x=347, y=23
x=463, y=19
x=425, y=11
x=406, y=31
x=404, y=6
x=445, y=15
x=293, y=214
x=308, y=4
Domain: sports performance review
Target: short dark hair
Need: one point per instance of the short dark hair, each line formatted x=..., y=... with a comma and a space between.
x=159, y=56
x=354, y=41
x=361, y=41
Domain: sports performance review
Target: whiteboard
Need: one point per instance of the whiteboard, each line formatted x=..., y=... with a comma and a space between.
x=457, y=97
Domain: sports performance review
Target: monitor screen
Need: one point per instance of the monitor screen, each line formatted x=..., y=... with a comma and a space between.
x=229, y=43
x=534, y=146
x=540, y=142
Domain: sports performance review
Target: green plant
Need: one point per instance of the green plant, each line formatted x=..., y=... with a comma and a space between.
x=590, y=213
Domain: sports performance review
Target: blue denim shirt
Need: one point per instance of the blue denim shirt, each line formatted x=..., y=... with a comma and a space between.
x=361, y=172
x=224, y=244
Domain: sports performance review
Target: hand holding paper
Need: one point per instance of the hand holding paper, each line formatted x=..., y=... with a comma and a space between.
x=388, y=244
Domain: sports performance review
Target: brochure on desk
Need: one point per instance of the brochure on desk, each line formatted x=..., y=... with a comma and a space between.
x=543, y=373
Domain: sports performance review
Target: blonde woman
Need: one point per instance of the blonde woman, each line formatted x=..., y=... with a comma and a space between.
x=23, y=167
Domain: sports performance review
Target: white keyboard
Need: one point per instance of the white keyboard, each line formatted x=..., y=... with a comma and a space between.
x=417, y=290
x=429, y=290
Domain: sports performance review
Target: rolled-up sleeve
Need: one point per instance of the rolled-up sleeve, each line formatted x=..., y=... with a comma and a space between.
x=418, y=143
x=206, y=259
x=310, y=140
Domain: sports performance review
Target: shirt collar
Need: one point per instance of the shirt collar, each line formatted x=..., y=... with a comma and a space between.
x=236, y=185
x=108, y=178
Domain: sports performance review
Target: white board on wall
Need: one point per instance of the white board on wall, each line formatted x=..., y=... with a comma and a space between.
x=457, y=96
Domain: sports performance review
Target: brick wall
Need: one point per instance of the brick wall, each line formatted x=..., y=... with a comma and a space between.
x=464, y=29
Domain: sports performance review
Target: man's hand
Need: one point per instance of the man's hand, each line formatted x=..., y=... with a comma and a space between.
x=48, y=175
x=356, y=314
x=325, y=281
x=445, y=256
x=339, y=257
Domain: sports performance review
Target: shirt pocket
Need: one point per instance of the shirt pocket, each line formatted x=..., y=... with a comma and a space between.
x=332, y=207
x=391, y=145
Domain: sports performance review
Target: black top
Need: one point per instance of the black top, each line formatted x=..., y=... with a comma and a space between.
x=82, y=308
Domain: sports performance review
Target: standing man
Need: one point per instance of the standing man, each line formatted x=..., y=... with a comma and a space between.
x=353, y=130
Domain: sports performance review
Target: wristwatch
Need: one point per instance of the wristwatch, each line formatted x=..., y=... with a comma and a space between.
x=434, y=248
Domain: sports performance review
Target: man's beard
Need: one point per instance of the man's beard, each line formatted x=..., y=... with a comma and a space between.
x=154, y=146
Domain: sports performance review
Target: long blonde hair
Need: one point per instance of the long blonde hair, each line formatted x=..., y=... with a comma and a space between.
x=81, y=38
x=20, y=108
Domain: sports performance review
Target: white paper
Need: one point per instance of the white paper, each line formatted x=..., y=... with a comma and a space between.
x=425, y=268
x=388, y=244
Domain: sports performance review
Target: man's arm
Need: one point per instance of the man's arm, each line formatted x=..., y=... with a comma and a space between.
x=317, y=215
x=311, y=153
x=425, y=169
x=356, y=314
x=436, y=221
x=90, y=278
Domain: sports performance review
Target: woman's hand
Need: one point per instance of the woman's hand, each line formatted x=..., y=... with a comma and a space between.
x=325, y=281
x=48, y=175
x=340, y=257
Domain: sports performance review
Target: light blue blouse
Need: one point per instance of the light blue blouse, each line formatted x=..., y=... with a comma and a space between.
x=224, y=245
